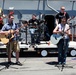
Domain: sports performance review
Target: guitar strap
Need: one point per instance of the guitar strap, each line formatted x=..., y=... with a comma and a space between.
x=16, y=26
x=62, y=28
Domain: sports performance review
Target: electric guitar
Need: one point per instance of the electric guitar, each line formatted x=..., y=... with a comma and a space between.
x=5, y=37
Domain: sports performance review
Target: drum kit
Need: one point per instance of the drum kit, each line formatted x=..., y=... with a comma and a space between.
x=36, y=31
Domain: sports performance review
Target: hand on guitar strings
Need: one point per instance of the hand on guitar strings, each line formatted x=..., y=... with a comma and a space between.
x=2, y=32
x=17, y=31
x=63, y=32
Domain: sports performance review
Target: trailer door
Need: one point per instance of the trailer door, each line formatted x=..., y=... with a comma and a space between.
x=50, y=24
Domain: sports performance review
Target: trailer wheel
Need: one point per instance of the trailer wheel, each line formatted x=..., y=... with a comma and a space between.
x=73, y=52
x=44, y=53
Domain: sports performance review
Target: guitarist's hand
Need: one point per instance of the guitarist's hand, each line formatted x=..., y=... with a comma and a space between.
x=17, y=31
x=61, y=32
x=2, y=32
x=67, y=32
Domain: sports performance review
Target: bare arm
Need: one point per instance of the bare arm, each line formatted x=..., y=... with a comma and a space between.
x=68, y=31
x=55, y=31
x=56, y=21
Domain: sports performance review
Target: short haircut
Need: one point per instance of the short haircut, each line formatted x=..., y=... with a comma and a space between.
x=34, y=15
x=9, y=16
x=24, y=22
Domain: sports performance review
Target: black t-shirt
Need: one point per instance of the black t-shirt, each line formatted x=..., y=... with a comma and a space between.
x=33, y=22
x=60, y=15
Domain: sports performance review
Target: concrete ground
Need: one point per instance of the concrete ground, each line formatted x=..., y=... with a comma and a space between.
x=38, y=66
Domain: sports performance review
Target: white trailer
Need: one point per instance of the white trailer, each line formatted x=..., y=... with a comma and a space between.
x=44, y=48
x=47, y=47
